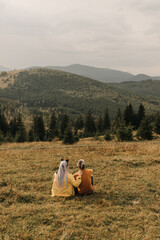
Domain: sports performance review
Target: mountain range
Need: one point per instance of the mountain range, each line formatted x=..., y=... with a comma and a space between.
x=43, y=89
x=103, y=74
x=100, y=74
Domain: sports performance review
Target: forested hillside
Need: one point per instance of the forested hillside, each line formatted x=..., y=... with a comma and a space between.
x=145, y=87
x=69, y=93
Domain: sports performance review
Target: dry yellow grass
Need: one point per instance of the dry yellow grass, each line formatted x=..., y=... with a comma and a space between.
x=125, y=204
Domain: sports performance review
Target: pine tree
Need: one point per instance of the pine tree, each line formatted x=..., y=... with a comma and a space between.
x=63, y=125
x=68, y=136
x=38, y=128
x=90, y=128
x=53, y=128
x=129, y=116
x=106, y=121
x=79, y=124
x=117, y=121
x=157, y=123
x=21, y=135
x=3, y=124
x=19, y=122
x=30, y=137
x=124, y=133
x=13, y=127
x=140, y=115
x=118, y=117
x=145, y=130
x=100, y=125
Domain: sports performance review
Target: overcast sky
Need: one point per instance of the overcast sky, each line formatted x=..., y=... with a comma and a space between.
x=117, y=34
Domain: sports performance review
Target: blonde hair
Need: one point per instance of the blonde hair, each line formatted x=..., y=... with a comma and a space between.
x=62, y=172
x=81, y=164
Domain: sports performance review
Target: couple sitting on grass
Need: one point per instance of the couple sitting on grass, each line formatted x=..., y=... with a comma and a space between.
x=65, y=184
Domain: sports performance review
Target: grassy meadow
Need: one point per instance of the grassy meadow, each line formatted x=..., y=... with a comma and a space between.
x=125, y=204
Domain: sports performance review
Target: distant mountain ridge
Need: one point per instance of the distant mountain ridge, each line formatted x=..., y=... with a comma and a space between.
x=103, y=74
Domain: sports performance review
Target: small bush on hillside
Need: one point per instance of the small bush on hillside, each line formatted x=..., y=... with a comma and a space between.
x=145, y=130
x=76, y=138
x=69, y=138
x=124, y=133
x=107, y=136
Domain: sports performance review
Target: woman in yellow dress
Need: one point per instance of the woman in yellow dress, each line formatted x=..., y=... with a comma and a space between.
x=64, y=182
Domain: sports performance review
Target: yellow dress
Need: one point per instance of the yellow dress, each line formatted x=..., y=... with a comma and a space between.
x=66, y=190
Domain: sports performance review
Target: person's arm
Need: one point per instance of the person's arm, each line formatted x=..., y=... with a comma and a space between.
x=54, y=177
x=75, y=175
x=91, y=172
x=75, y=182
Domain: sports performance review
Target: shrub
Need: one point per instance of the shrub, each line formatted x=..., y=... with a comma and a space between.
x=145, y=130
x=107, y=136
x=68, y=136
x=124, y=133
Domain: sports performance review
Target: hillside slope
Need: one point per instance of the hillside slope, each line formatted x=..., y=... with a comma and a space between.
x=70, y=93
x=146, y=87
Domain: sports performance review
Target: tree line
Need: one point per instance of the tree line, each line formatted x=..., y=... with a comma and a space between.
x=69, y=129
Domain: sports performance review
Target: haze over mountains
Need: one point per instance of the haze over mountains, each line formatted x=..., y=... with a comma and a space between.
x=2, y=68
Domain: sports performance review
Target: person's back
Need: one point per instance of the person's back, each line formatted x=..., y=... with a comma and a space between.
x=64, y=182
x=86, y=186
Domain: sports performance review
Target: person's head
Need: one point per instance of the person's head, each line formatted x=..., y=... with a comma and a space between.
x=62, y=171
x=64, y=162
x=81, y=164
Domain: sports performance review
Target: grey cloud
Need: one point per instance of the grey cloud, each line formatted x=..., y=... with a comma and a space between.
x=149, y=6
x=107, y=33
